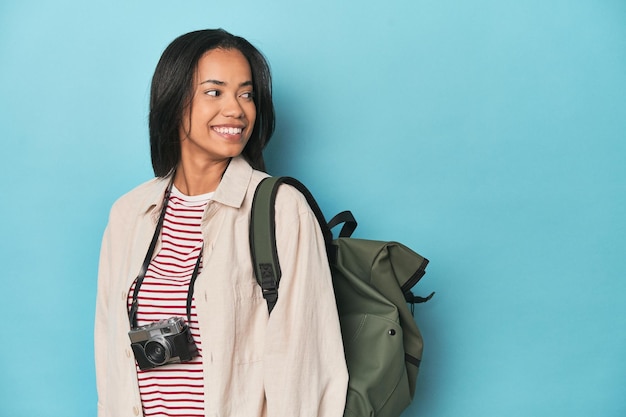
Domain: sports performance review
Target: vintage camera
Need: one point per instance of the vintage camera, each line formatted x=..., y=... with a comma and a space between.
x=162, y=342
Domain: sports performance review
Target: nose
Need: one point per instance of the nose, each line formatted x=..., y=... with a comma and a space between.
x=232, y=108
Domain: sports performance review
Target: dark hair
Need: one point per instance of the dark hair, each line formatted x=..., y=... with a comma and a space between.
x=172, y=92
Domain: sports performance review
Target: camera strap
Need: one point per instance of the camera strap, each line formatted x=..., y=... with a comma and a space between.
x=132, y=314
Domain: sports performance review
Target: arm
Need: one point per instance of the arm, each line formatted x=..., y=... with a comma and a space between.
x=304, y=364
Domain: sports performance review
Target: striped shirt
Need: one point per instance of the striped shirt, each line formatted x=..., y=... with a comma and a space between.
x=175, y=389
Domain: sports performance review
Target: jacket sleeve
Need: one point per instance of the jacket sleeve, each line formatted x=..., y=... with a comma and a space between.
x=304, y=365
x=101, y=321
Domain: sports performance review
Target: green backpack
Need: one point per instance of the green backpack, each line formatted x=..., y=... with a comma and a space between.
x=372, y=282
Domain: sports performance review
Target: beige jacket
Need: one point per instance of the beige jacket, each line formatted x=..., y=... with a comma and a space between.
x=287, y=365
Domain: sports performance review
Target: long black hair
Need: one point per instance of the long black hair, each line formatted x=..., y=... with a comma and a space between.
x=172, y=92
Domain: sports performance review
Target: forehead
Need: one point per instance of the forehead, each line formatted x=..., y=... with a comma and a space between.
x=224, y=65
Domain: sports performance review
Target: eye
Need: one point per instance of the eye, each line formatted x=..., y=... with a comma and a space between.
x=212, y=93
x=249, y=95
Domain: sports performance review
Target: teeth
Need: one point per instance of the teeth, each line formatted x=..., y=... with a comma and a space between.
x=229, y=130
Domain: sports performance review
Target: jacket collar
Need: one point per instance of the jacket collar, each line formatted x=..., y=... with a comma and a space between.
x=231, y=191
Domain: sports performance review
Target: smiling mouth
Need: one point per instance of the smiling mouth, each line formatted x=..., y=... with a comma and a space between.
x=228, y=130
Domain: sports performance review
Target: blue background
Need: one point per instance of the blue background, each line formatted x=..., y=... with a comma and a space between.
x=490, y=136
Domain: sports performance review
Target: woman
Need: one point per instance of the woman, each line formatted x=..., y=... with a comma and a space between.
x=177, y=246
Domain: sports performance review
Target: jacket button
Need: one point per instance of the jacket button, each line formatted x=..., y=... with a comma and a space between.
x=136, y=410
x=123, y=295
x=128, y=353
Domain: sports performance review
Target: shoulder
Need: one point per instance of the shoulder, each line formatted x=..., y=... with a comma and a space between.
x=139, y=200
x=291, y=203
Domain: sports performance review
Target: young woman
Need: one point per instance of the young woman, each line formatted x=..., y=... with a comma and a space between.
x=176, y=249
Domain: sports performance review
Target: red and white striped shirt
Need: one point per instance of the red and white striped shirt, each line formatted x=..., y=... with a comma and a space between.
x=174, y=389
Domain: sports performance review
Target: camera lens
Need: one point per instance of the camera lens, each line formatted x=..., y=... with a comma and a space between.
x=157, y=351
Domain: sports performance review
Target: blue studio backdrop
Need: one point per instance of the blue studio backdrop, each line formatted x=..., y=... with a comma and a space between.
x=490, y=136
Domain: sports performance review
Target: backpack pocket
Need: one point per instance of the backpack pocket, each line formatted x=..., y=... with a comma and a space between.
x=377, y=371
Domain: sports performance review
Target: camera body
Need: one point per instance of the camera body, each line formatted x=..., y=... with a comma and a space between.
x=162, y=342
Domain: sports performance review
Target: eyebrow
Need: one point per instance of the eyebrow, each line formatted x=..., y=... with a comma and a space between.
x=218, y=82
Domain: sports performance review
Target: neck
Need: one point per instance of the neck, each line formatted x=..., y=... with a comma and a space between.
x=195, y=179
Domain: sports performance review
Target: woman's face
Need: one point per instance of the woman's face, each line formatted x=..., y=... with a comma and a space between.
x=220, y=119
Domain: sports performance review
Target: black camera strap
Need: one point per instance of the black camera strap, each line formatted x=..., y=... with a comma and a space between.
x=132, y=314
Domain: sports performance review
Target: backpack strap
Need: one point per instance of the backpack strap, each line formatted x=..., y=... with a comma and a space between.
x=347, y=219
x=265, y=261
